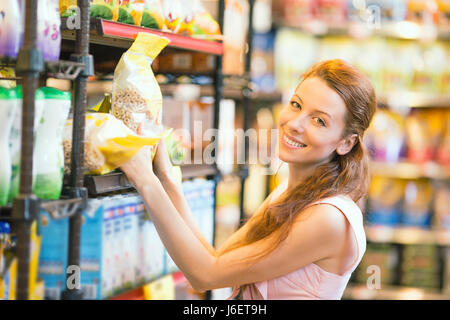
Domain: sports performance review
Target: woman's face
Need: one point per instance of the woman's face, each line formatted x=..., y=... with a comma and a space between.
x=311, y=125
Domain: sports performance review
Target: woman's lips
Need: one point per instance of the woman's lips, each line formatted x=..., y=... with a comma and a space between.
x=291, y=143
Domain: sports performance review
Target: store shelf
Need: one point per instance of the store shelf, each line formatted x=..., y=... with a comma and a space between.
x=407, y=235
x=117, y=181
x=227, y=93
x=361, y=292
x=405, y=30
x=413, y=99
x=66, y=70
x=407, y=170
x=122, y=35
x=58, y=209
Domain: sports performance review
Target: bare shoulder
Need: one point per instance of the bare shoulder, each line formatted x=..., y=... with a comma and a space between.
x=328, y=221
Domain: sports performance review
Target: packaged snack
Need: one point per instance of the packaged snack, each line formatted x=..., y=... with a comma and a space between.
x=137, y=98
x=422, y=11
x=7, y=73
x=417, y=203
x=49, y=34
x=332, y=12
x=15, y=140
x=9, y=103
x=174, y=15
x=385, y=201
x=441, y=208
x=443, y=12
x=130, y=12
x=49, y=163
x=152, y=16
x=105, y=9
x=398, y=65
x=175, y=148
x=443, y=150
x=385, y=138
x=11, y=31
x=108, y=143
x=67, y=8
x=428, y=68
x=200, y=22
x=423, y=131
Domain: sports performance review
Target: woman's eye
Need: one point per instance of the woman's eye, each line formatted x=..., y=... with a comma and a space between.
x=295, y=104
x=320, y=122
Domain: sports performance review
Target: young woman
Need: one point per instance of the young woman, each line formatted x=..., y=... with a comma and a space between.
x=307, y=237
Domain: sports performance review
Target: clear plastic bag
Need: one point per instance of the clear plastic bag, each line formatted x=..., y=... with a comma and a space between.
x=137, y=98
x=152, y=16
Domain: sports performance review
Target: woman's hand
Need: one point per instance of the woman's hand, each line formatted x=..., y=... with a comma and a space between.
x=162, y=165
x=139, y=169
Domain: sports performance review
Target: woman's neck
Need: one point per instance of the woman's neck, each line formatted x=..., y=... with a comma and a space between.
x=299, y=172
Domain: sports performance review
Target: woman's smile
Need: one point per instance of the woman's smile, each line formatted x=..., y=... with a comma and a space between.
x=292, y=143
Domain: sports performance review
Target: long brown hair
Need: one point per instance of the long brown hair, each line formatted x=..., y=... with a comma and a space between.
x=344, y=174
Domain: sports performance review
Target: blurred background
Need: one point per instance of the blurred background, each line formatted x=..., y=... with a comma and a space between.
x=402, y=45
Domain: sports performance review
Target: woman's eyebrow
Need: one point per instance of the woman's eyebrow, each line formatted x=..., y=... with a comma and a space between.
x=316, y=110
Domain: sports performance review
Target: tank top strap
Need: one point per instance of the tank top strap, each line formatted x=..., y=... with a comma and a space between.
x=354, y=216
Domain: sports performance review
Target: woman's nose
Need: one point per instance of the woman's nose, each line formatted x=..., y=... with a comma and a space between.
x=297, y=124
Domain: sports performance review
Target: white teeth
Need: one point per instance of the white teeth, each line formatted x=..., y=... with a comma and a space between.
x=293, y=143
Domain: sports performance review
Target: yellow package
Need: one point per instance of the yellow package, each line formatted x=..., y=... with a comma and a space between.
x=105, y=9
x=130, y=11
x=137, y=98
x=109, y=143
x=7, y=73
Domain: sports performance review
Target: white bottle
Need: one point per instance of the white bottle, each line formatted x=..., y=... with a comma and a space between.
x=15, y=140
x=9, y=103
x=11, y=28
x=48, y=150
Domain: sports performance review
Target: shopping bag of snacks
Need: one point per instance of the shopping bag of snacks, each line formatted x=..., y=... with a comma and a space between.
x=130, y=11
x=201, y=24
x=137, y=98
x=108, y=143
x=152, y=16
x=105, y=9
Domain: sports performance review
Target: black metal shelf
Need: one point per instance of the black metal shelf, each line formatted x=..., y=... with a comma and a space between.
x=65, y=70
x=116, y=181
x=62, y=208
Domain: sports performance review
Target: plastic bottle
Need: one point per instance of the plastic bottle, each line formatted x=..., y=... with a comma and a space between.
x=10, y=30
x=15, y=140
x=49, y=165
x=8, y=106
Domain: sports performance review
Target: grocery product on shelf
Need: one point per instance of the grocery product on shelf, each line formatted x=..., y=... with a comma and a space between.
x=15, y=140
x=174, y=15
x=49, y=151
x=6, y=72
x=11, y=32
x=9, y=103
x=48, y=29
x=424, y=129
x=420, y=266
x=381, y=255
x=422, y=11
x=385, y=201
x=201, y=23
x=334, y=12
x=120, y=247
x=440, y=206
x=443, y=12
x=152, y=16
x=417, y=203
x=130, y=12
x=385, y=136
x=443, y=149
x=105, y=9
x=137, y=98
x=108, y=143
x=67, y=8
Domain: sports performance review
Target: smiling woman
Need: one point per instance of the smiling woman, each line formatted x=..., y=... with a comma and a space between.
x=308, y=236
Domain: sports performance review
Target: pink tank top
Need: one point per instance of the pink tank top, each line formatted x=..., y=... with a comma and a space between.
x=311, y=281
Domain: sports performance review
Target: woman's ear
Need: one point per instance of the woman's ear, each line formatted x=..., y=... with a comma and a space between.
x=347, y=144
